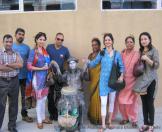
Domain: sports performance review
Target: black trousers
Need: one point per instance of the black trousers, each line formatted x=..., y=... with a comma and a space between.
x=148, y=105
x=22, y=83
x=9, y=88
x=53, y=98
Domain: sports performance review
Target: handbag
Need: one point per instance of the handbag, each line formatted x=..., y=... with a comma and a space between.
x=114, y=83
x=138, y=69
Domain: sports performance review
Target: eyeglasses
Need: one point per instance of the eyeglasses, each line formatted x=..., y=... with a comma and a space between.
x=60, y=39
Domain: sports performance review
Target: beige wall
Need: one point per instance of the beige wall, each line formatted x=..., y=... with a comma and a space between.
x=80, y=26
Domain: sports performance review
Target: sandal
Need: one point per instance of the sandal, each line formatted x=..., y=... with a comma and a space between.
x=150, y=129
x=123, y=122
x=110, y=126
x=102, y=129
x=143, y=128
x=40, y=125
x=47, y=121
x=134, y=124
x=27, y=119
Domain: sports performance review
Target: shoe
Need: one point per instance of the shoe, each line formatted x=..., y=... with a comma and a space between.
x=12, y=129
x=134, y=124
x=123, y=122
x=40, y=125
x=47, y=121
x=102, y=129
x=27, y=119
x=143, y=128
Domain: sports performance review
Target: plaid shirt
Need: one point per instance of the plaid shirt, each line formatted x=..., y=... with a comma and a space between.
x=7, y=59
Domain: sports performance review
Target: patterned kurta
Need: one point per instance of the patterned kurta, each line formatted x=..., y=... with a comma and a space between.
x=39, y=77
x=106, y=65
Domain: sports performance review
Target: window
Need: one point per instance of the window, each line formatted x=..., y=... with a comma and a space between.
x=9, y=4
x=131, y=4
x=42, y=5
x=37, y=5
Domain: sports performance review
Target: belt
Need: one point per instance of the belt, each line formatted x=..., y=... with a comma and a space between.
x=8, y=78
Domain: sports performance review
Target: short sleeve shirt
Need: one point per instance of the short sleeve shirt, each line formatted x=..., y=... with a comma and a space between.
x=23, y=50
x=58, y=55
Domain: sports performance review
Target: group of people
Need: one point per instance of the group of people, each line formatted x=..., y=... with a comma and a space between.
x=25, y=68
x=28, y=69
x=100, y=63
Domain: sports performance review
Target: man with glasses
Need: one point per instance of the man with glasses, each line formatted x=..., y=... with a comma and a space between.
x=10, y=63
x=23, y=50
x=60, y=54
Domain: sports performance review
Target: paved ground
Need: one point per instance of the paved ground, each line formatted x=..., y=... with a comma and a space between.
x=88, y=127
x=31, y=127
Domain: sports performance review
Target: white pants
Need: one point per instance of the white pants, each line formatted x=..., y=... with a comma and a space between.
x=111, y=96
x=40, y=109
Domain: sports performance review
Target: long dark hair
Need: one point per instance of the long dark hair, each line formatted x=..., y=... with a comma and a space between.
x=102, y=53
x=149, y=45
x=108, y=35
x=38, y=35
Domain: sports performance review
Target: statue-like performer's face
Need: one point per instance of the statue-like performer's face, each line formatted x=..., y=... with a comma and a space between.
x=72, y=65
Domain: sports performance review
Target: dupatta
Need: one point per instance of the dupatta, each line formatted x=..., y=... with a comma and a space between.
x=29, y=91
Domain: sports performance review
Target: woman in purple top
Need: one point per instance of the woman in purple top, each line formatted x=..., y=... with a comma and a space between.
x=38, y=62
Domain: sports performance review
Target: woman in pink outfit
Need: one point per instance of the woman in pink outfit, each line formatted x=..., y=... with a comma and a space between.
x=127, y=99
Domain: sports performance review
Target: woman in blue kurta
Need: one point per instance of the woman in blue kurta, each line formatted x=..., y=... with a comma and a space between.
x=105, y=57
x=38, y=62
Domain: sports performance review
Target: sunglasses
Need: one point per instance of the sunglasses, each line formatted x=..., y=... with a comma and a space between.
x=60, y=39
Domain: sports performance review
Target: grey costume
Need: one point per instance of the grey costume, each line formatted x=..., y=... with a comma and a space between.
x=75, y=77
x=150, y=73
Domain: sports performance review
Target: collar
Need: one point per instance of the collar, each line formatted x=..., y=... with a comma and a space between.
x=58, y=48
x=5, y=51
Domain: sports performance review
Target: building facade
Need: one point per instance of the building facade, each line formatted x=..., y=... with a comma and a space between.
x=81, y=20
